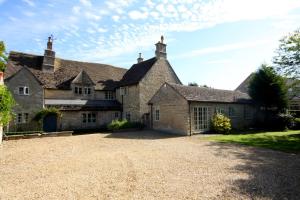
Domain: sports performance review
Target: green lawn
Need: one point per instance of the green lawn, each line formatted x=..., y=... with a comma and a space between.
x=287, y=141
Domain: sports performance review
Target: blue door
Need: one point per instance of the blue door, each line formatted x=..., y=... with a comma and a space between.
x=50, y=123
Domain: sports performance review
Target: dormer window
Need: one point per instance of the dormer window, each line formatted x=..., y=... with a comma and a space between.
x=78, y=90
x=23, y=90
x=87, y=90
x=109, y=95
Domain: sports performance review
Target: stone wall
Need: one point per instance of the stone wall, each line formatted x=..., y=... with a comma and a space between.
x=72, y=120
x=243, y=113
x=31, y=103
x=130, y=101
x=173, y=109
x=69, y=94
x=160, y=73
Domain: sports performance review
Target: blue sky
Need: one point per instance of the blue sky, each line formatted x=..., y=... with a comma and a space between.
x=213, y=42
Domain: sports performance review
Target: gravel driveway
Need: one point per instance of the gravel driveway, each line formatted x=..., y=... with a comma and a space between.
x=144, y=165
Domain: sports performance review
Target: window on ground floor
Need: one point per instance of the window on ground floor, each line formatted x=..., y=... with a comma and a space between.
x=231, y=111
x=88, y=118
x=128, y=116
x=201, y=118
x=22, y=118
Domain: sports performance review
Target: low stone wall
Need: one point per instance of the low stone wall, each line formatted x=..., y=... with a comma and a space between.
x=38, y=135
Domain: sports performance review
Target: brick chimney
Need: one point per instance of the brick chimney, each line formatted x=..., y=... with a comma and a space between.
x=49, y=57
x=140, y=59
x=160, y=51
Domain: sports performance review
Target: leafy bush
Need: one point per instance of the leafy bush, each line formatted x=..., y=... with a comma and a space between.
x=221, y=124
x=282, y=122
x=123, y=124
x=296, y=124
x=46, y=111
x=6, y=104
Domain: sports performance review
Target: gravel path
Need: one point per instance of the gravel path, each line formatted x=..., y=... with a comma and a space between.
x=143, y=165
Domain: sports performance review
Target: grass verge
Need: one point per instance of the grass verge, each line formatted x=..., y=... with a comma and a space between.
x=287, y=141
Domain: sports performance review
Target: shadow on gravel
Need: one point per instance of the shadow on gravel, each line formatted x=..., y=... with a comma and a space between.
x=272, y=174
x=143, y=135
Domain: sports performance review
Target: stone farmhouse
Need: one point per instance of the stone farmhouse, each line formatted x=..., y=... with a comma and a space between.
x=90, y=95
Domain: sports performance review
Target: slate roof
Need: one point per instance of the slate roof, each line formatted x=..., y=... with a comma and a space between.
x=203, y=94
x=106, y=77
x=137, y=72
x=79, y=104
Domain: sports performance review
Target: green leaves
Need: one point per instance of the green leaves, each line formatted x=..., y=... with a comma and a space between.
x=221, y=123
x=6, y=103
x=3, y=56
x=287, y=60
x=268, y=89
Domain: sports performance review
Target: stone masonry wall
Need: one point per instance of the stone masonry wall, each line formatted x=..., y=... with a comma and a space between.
x=239, y=120
x=72, y=120
x=160, y=73
x=173, y=108
x=31, y=103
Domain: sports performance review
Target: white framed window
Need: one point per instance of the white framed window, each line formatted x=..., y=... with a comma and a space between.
x=128, y=116
x=231, y=111
x=201, y=118
x=88, y=118
x=116, y=115
x=156, y=114
x=248, y=113
x=23, y=90
x=109, y=95
x=22, y=118
x=77, y=90
x=87, y=90
x=124, y=90
x=220, y=110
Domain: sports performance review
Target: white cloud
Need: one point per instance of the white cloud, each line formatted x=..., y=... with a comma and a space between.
x=86, y=2
x=76, y=10
x=92, y=16
x=137, y=15
x=28, y=13
x=29, y=2
x=102, y=30
x=116, y=18
x=227, y=47
x=2, y=1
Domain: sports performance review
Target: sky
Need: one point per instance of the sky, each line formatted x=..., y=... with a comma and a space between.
x=217, y=43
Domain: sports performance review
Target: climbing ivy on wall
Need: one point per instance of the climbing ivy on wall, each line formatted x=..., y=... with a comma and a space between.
x=6, y=104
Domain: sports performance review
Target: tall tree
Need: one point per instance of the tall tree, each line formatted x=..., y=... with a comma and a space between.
x=268, y=89
x=3, y=56
x=287, y=60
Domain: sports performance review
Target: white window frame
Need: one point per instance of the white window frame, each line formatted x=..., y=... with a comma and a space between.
x=22, y=118
x=89, y=118
x=201, y=122
x=231, y=111
x=157, y=114
x=128, y=116
x=109, y=95
x=124, y=90
x=25, y=90
x=87, y=91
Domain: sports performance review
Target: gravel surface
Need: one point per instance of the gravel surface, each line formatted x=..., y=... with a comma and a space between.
x=144, y=165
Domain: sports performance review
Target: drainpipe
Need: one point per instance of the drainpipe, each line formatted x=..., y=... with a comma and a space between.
x=190, y=118
x=151, y=116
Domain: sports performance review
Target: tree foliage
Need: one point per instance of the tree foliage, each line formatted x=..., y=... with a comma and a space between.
x=39, y=116
x=6, y=104
x=193, y=84
x=3, y=56
x=268, y=89
x=287, y=60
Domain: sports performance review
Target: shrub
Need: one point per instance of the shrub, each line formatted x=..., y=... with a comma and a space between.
x=221, y=124
x=296, y=124
x=6, y=104
x=46, y=111
x=123, y=124
x=282, y=121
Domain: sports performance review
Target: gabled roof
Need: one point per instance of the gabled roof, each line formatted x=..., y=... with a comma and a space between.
x=105, y=77
x=136, y=73
x=243, y=87
x=203, y=94
x=83, y=78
